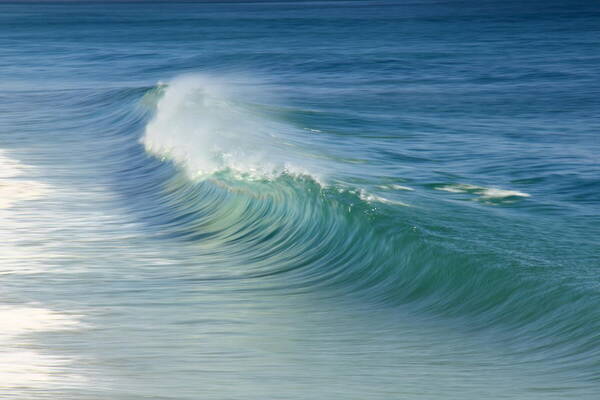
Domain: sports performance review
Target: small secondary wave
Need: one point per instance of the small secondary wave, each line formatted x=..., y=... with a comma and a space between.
x=484, y=194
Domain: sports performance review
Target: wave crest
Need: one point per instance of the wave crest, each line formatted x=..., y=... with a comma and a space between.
x=207, y=124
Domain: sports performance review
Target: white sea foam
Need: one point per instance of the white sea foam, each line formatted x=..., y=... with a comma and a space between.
x=395, y=187
x=370, y=197
x=12, y=192
x=9, y=168
x=483, y=192
x=16, y=224
x=492, y=193
x=12, y=187
x=20, y=365
x=208, y=124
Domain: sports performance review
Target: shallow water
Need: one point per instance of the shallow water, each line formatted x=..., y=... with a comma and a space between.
x=337, y=200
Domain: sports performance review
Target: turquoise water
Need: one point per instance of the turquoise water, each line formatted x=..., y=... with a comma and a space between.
x=292, y=200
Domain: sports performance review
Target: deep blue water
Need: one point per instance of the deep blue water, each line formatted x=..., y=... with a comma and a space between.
x=292, y=200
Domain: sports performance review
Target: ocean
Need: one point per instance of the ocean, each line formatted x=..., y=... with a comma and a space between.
x=300, y=200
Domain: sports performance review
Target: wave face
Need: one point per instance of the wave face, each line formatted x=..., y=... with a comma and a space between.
x=313, y=202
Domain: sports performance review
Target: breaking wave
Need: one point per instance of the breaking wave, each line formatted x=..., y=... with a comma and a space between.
x=231, y=177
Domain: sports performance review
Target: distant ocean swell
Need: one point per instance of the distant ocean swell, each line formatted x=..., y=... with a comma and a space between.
x=207, y=163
